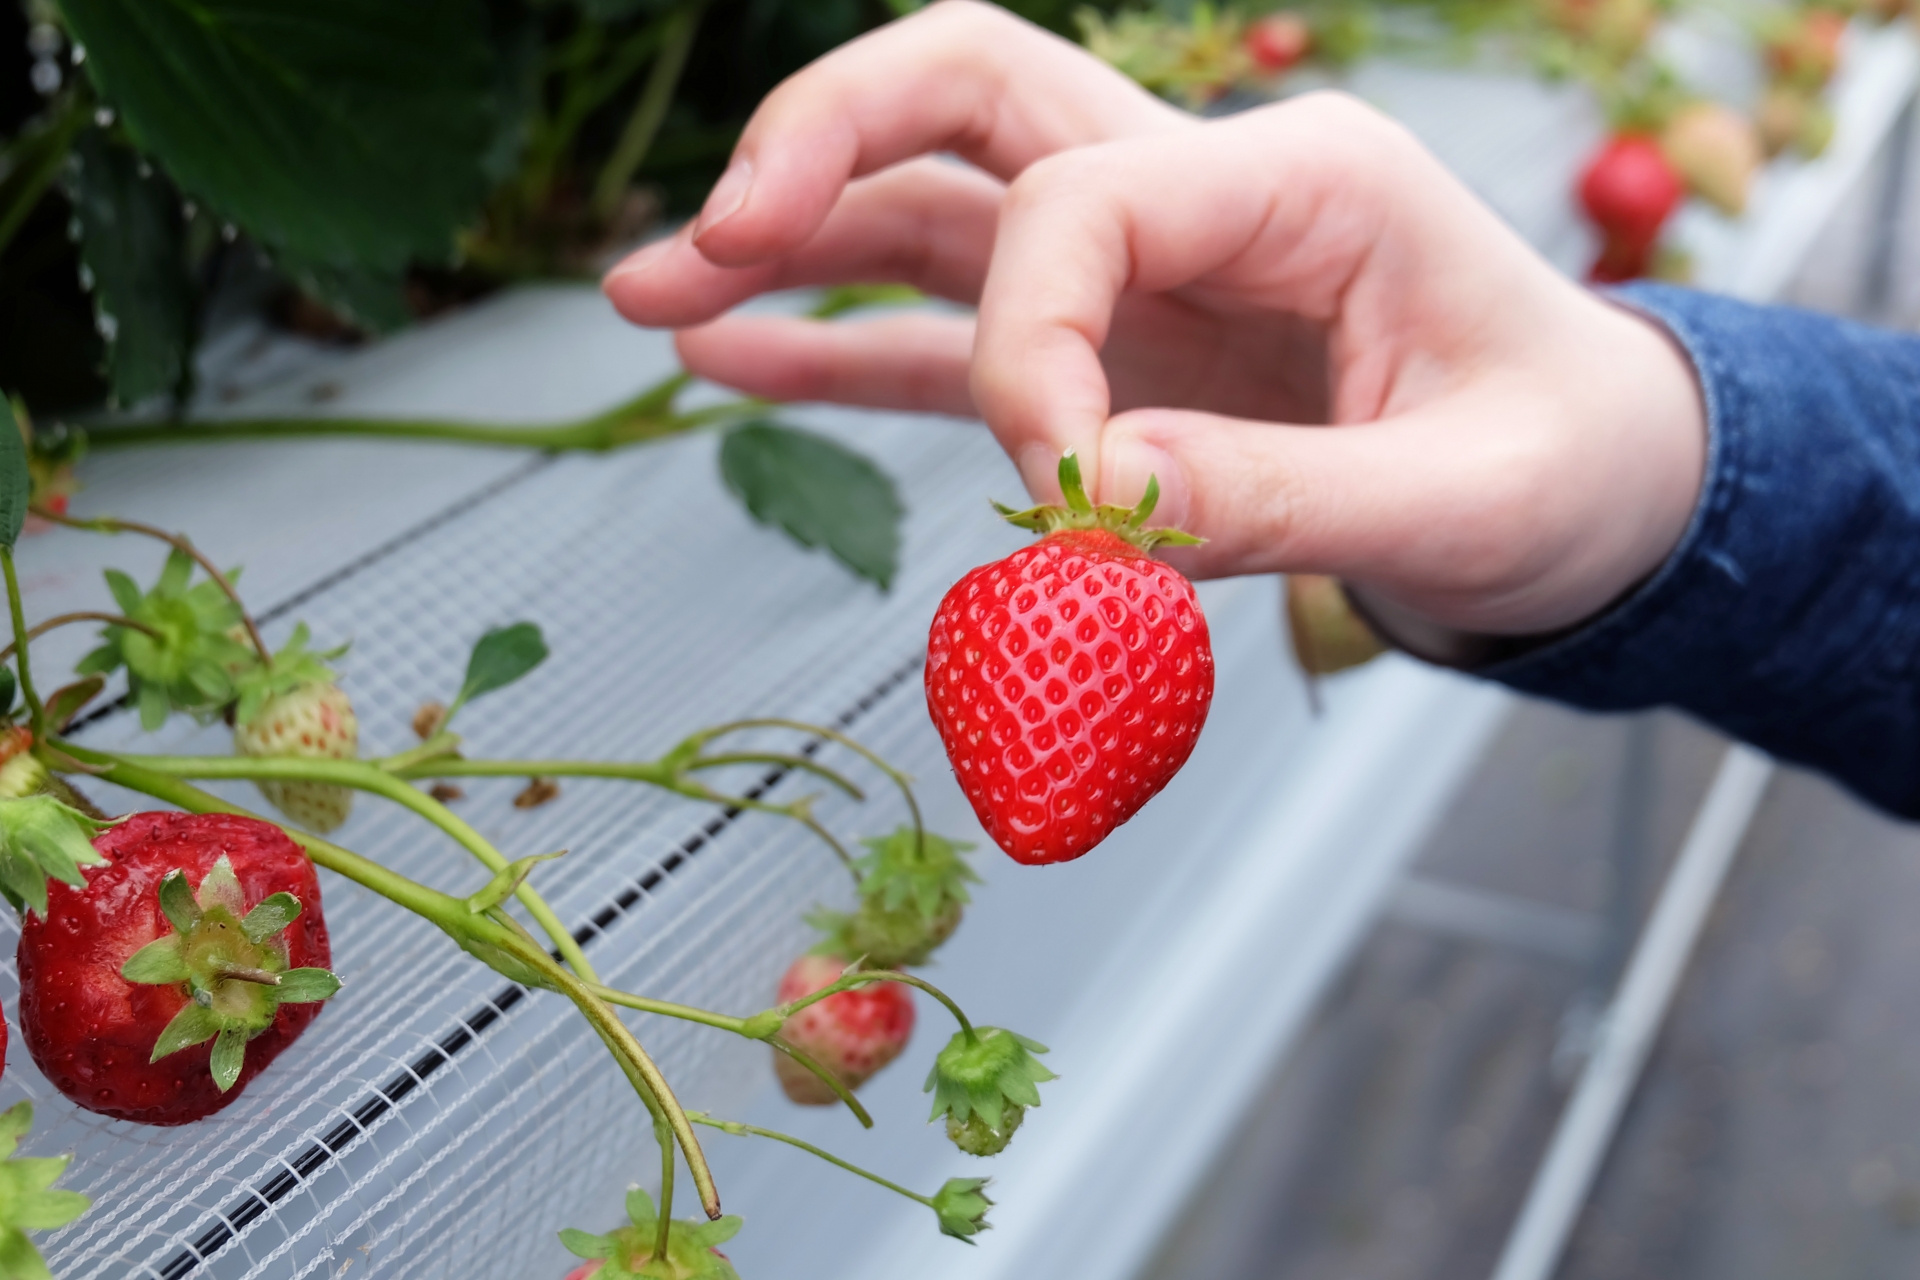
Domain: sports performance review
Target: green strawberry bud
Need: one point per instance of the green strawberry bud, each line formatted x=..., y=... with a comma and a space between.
x=962, y=1206
x=913, y=890
x=185, y=659
x=989, y=1076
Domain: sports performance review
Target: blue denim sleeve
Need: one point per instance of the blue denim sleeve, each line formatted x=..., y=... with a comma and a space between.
x=1789, y=615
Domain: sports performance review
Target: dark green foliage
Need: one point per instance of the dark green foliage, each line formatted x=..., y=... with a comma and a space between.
x=820, y=492
x=133, y=245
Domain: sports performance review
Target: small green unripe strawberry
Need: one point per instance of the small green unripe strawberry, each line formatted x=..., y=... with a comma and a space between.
x=978, y=1138
x=913, y=891
x=983, y=1082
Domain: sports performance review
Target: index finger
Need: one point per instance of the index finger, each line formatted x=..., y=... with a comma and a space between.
x=959, y=77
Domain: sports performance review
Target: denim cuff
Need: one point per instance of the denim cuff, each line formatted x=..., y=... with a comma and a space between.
x=1787, y=616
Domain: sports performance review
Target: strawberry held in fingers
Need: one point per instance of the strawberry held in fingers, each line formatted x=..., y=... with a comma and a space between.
x=852, y=1033
x=1070, y=681
x=187, y=962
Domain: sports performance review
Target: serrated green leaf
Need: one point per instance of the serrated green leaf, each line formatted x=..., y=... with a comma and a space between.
x=133, y=243
x=346, y=134
x=16, y=482
x=193, y=1025
x=584, y=1245
x=275, y=912
x=499, y=658
x=373, y=300
x=821, y=493
x=161, y=962
x=306, y=986
x=229, y=1055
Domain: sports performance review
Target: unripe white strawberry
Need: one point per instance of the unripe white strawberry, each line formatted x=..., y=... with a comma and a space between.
x=312, y=721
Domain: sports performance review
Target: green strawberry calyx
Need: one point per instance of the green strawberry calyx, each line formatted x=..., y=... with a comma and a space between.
x=1079, y=512
x=230, y=963
x=185, y=659
x=962, y=1206
x=293, y=668
x=28, y=1201
x=913, y=886
x=982, y=1082
x=40, y=837
x=626, y=1253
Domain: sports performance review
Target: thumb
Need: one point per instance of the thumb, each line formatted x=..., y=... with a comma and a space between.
x=1431, y=508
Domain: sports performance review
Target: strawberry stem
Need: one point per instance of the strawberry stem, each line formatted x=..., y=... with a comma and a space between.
x=36, y=712
x=861, y=977
x=83, y=615
x=739, y=1130
x=899, y=779
x=111, y=524
x=664, y=1229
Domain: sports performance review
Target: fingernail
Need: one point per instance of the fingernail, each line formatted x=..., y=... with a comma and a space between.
x=1039, y=466
x=726, y=198
x=642, y=259
x=1130, y=464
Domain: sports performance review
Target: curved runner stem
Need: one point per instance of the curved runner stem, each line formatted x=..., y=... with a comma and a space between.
x=740, y=1130
x=113, y=524
x=860, y=977
x=83, y=615
x=866, y=753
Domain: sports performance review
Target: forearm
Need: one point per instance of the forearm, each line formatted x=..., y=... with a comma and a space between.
x=1789, y=615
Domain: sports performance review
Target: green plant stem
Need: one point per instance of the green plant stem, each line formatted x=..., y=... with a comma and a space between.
x=364, y=776
x=36, y=712
x=180, y=543
x=66, y=619
x=659, y=773
x=649, y=112
x=645, y=418
x=480, y=935
x=899, y=779
x=663, y=1229
x=740, y=1130
x=860, y=977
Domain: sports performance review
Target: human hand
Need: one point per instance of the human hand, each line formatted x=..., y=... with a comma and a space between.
x=1333, y=356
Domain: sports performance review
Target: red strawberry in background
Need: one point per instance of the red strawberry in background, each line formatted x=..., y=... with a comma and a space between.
x=852, y=1034
x=1629, y=190
x=1277, y=42
x=1070, y=680
x=193, y=956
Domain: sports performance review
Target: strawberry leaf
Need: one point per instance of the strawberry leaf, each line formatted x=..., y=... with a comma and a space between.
x=133, y=243
x=16, y=482
x=819, y=492
x=162, y=962
x=28, y=1201
x=274, y=913
x=347, y=135
x=581, y=1245
x=499, y=658
x=177, y=901
x=194, y=1024
x=229, y=1055
x=306, y=986
x=41, y=837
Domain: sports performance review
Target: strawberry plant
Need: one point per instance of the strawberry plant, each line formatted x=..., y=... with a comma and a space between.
x=167, y=957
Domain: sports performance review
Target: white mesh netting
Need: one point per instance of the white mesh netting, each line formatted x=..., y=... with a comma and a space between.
x=435, y=1120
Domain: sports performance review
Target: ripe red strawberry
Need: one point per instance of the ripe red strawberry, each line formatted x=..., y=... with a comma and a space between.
x=1629, y=190
x=1070, y=680
x=852, y=1034
x=1278, y=41
x=193, y=956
